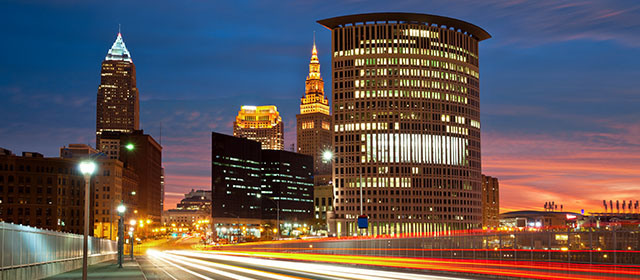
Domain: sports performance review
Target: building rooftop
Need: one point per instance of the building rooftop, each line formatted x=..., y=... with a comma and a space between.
x=462, y=26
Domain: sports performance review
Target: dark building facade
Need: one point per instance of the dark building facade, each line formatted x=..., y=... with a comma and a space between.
x=406, y=109
x=235, y=177
x=287, y=180
x=248, y=183
x=42, y=192
x=144, y=158
x=118, y=106
x=490, y=201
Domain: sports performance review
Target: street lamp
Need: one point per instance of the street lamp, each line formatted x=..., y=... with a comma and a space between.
x=86, y=168
x=120, y=209
x=327, y=156
x=278, y=213
x=130, y=147
x=131, y=229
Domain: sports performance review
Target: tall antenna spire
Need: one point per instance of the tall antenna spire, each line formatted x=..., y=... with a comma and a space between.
x=119, y=28
x=314, y=37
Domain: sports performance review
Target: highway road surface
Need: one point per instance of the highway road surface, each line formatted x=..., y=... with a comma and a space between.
x=185, y=264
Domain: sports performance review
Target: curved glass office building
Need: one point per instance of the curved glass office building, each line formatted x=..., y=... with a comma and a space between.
x=407, y=117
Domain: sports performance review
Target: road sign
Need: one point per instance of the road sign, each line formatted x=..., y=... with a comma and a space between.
x=363, y=221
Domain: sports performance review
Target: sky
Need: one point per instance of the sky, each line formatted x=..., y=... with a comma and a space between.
x=559, y=82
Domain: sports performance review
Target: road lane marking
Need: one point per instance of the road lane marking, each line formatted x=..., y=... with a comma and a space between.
x=152, y=262
x=184, y=269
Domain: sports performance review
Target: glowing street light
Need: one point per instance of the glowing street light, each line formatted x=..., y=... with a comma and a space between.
x=327, y=155
x=121, y=208
x=130, y=147
x=86, y=168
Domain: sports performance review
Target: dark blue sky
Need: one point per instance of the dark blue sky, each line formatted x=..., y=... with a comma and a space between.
x=559, y=81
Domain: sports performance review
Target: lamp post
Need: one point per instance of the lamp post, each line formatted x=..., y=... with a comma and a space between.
x=328, y=155
x=121, y=208
x=86, y=168
x=131, y=229
x=277, y=214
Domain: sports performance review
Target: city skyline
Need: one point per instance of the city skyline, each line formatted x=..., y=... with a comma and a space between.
x=558, y=126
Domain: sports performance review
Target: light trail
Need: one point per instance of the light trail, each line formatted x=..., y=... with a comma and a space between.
x=321, y=269
x=561, y=266
x=249, y=265
x=209, y=267
x=466, y=266
x=157, y=255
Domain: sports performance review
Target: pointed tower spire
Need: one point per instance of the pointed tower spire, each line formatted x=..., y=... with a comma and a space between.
x=313, y=99
x=314, y=56
x=118, y=50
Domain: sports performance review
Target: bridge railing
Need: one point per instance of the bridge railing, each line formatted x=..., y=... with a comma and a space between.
x=24, y=246
x=589, y=246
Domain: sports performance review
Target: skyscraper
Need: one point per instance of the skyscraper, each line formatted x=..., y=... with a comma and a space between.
x=314, y=121
x=142, y=155
x=287, y=182
x=235, y=178
x=118, y=101
x=407, y=117
x=490, y=201
x=262, y=124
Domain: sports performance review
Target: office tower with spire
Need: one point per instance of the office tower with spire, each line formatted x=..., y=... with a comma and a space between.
x=314, y=121
x=118, y=101
x=262, y=124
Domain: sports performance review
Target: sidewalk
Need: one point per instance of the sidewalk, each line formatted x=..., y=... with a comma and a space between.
x=106, y=270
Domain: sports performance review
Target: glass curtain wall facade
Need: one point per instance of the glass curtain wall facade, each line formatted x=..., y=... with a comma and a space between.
x=407, y=116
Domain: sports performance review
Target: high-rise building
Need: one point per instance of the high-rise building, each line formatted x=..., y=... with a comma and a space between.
x=262, y=124
x=110, y=181
x=490, y=201
x=406, y=110
x=314, y=121
x=235, y=180
x=249, y=184
x=287, y=182
x=143, y=156
x=118, y=101
x=42, y=192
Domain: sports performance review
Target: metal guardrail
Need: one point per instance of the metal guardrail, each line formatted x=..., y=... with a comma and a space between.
x=588, y=246
x=27, y=246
